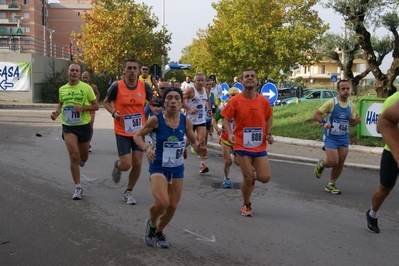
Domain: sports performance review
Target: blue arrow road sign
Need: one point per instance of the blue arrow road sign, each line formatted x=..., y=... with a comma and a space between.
x=239, y=86
x=269, y=90
x=225, y=90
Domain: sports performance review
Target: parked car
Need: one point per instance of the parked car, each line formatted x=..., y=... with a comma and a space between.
x=311, y=95
x=285, y=94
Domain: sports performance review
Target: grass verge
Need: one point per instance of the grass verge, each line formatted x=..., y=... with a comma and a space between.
x=296, y=121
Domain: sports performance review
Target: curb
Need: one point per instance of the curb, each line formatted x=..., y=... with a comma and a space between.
x=28, y=105
x=216, y=146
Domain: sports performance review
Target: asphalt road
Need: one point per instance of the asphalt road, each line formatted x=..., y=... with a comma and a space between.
x=295, y=222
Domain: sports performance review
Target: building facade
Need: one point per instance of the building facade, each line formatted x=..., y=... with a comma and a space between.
x=39, y=27
x=321, y=72
x=35, y=40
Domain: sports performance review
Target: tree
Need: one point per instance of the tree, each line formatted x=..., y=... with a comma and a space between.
x=116, y=30
x=360, y=14
x=270, y=36
x=344, y=50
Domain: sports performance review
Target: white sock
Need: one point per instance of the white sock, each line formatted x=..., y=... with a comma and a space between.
x=373, y=213
x=228, y=178
x=78, y=185
x=202, y=162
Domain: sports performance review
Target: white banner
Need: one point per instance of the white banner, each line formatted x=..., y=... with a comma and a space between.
x=14, y=76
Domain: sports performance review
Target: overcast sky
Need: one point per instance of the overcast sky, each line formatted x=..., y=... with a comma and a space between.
x=184, y=18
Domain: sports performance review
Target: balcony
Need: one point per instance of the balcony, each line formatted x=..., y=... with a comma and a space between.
x=4, y=21
x=10, y=6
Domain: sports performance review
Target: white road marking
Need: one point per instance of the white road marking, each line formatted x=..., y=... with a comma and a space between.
x=202, y=238
x=89, y=178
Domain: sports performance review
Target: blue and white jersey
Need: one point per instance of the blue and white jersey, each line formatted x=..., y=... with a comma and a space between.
x=339, y=120
x=169, y=146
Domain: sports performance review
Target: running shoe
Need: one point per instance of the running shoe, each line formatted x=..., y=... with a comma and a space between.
x=162, y=242
x=227, y=183
x=203, y=169
x=116, y=173
x=78, y=193
x=81, y=164
x=372, y=223
x=185, y=154
x=90, y=150
x=319, y=170
x=149, y=233
x=128, y=198
x=246, y=210
x=332, y=189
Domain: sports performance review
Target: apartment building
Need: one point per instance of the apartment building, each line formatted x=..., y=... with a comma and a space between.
x=35, y=39
x=40, y=27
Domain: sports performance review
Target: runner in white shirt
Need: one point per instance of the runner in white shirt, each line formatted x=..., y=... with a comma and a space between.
x=187, y=83
x=195, y=100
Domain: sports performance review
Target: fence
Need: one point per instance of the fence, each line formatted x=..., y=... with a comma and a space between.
x=34, y=45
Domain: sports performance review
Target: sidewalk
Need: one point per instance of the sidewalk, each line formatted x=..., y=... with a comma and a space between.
x=283, y=148
x=310, y=151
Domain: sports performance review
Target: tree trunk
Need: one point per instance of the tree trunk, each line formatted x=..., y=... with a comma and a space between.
x=383, y=83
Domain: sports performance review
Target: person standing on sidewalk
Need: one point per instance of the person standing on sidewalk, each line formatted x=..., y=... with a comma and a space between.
x=340, y=113
x=86, y=79
x=387, y=125
x=129, y=96
x=195, y=100
x=227, y=147
x=252, y=116
x=76, y=101
x=166, y=162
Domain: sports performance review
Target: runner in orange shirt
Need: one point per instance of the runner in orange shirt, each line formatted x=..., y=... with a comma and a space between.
x=128, y=96
x=252, y=116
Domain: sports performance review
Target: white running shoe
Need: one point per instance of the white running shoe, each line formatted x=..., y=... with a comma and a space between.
x=128, y=198
x=78, y=193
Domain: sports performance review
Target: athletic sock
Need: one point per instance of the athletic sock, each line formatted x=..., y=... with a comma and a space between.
x=373, y=213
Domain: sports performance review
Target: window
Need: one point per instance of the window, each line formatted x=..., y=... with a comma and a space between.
x=26, y=2
x=27, y=30
x=2, y=2
x=3, y=43
x=323, y=69
x=78, y=13
x=327, y=94
x=27, y=42
x=26, y=15
x=2, y=15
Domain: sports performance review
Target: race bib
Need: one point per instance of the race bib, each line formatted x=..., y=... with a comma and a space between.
x=172, y=155
x=200, y=114
x=232, y=125
x=253, y=137
x=132, y=123
x=72, y=117
x=340, y=127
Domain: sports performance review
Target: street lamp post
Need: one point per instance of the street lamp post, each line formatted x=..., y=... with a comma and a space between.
x=163, y=25
x=51, y=31
x=71, y=48
x=19, y=18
